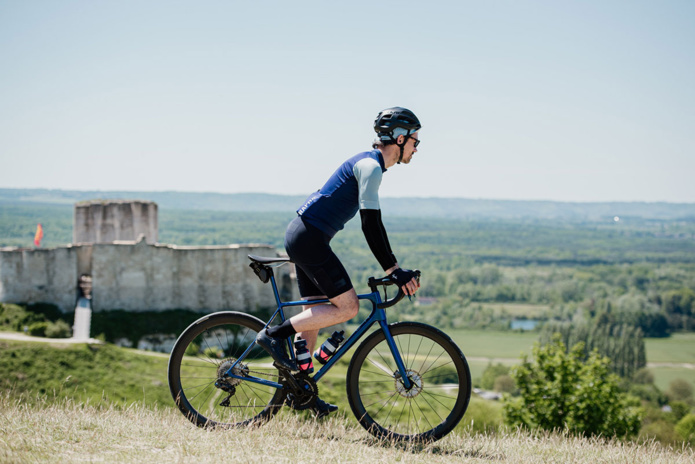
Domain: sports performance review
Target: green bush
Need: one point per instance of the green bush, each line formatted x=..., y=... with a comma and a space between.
x=58, y=329
x=643, y=376
x=679, y=410
x=213, y=352
x=193, y=349
x=38, y=329
x=680, y=390
x=561, y=392
x=661, y=431
x=14, y=317
x=504, y=384
x=649, y=393
x=490, y=374
x=443, y=374
x=686, y=428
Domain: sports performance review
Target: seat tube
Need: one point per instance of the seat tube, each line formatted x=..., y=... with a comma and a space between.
x=396, y=354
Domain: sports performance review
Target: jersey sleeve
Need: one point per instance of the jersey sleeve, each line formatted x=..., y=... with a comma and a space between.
x=368, y=174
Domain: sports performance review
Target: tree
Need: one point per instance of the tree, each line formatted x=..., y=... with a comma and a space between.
x=680, y=390
x=561, y=392
x=623, y=344
x=490, y=374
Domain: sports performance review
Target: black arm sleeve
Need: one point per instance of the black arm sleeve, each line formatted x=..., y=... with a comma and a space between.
x=376, y=237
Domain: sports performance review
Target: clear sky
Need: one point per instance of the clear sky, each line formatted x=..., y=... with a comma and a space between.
x=551, y=100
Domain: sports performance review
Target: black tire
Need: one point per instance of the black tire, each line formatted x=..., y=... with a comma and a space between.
x=441, y=378
x=209, y=345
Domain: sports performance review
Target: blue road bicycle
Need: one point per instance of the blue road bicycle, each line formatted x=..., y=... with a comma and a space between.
x=405, y=381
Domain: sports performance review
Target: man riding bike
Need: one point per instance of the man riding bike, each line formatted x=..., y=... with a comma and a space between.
x=353, y=187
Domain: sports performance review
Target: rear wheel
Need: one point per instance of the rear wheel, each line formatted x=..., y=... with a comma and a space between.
x=199, y=360
x=440, y=384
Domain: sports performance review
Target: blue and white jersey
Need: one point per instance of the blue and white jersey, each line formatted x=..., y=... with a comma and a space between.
x=353, y=186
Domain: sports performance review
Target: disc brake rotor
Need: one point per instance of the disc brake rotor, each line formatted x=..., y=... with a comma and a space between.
x=415, y=384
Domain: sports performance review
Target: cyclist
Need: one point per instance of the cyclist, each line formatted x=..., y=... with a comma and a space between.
x=353, y=187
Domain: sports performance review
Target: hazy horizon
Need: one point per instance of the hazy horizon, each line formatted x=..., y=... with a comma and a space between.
x=302, y=196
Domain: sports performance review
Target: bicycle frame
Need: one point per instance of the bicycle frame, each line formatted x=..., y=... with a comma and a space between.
x=378, y=315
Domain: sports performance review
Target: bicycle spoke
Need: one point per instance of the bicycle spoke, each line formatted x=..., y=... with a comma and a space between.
x=208, y=400
x=427, y=408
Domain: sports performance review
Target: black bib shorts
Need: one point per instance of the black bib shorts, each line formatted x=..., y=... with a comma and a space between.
x=319, y=271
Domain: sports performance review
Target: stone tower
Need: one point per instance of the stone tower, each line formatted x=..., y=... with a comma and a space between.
x=115, y=220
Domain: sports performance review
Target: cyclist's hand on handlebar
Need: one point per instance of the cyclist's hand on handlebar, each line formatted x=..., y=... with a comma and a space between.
x=407, y=280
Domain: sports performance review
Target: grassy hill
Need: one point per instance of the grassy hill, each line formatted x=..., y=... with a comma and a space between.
x=68, y=431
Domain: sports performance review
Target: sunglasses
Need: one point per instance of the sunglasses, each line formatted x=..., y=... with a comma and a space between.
x=416, y=142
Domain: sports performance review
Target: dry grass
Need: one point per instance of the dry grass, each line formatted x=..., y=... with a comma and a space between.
x=70, y=432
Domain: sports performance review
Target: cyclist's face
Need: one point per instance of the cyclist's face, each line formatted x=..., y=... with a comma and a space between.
x=410, y=149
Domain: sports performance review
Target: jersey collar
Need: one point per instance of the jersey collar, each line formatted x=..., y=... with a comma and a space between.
x=380, y=157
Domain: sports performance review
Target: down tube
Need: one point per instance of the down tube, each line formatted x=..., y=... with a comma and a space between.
x=396, y=354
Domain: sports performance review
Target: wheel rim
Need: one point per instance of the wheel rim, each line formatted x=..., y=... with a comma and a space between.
x=435, y=401
x=212, y=400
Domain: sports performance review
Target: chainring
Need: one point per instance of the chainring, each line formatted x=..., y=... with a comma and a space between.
x=305, y=397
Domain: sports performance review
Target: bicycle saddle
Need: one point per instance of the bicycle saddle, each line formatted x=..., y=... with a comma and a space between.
x=266, y=260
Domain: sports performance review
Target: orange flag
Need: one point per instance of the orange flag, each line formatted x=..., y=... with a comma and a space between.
x=39, y=235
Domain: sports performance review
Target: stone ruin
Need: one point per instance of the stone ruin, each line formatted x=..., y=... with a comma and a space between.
x=115, y=253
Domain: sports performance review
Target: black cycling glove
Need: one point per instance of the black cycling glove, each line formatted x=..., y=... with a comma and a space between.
x=402, y=276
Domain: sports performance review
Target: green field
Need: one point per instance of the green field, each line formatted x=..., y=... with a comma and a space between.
x=678, y=348
x=507, y=347
x=493, y=344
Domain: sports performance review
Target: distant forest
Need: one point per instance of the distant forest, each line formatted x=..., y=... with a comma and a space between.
x=453, y=208
x=485, y=263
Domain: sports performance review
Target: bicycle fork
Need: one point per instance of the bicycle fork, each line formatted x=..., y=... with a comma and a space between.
x=405, y=380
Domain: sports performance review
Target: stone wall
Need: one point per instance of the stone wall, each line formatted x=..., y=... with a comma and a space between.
x=140, y=277
x=157, y=277
x=39, y=275
x=114, y=220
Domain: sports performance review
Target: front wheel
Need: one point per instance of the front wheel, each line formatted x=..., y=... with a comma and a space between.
x=202, y=356
x=440, y=384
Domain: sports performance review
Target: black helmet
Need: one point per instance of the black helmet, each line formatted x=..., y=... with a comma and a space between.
x=393, y=118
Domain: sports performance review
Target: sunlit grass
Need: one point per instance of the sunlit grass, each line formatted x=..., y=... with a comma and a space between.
x=67, y=431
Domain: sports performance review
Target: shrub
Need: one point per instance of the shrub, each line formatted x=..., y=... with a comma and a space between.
x=15, y=317
x=661, y=431
x=643, y=376
x=649, y=393
x=505, y=384
x=686, y=428
x=680, y=390
x=560, y=392
x=38, y=329
x=193, y=349
x=58, y=329
x=491, y=373
x=213, y=352
x=443, y=374
x=679, y=410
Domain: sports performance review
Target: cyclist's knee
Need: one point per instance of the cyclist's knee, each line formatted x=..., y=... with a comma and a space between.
x=347, y=304
x=352, y=310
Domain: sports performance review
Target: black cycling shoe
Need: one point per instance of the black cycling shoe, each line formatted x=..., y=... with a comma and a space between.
x=275, y=349
x=322, y=409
